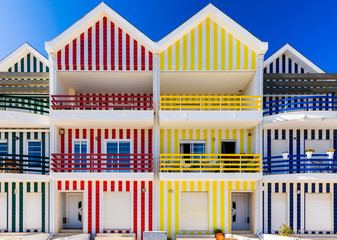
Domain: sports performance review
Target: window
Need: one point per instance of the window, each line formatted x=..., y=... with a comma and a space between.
x=118, y=147
x=192, y=148
x=80, y=147
x=194, y=211
x=35, y=153
x=117, y=210
x=3, y=150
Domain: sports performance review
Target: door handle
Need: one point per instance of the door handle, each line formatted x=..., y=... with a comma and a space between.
x=79, y=217
x=248, y=220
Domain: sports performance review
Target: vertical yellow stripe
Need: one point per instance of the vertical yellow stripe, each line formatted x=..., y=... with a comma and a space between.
x=169, y=209
x=230, y=51
x=237, y=185
x=192, y=48
x=253, y=60
x=161, y=141
x=212, y=141
x=198, y=134
x=219, y=140
x=169, y=136
x=238, y=54
x=176, y=141
x=229, y=206
x=177, y=54
x=245, y=185
x=185, y=52
x=200, y=46
x=252, y=187
x=162, y=60
x=215, y=45
x=192, y=186
x=249, y=141
x=245, y=66
x=222, y=205
x=223, y=49
x=199, y=186
x=162, y=207
x=206, y=186
x=215, y=205
x=190, y=134
x=234, y=134
x=208, y=45
x=183, y=134
x=205, y=138
x=242, y=141
x=169, y=58
x=184, y=186
x=227, y=134
x=176, y=205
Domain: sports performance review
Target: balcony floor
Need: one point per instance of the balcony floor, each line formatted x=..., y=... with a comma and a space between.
x=210, y=176
x=103, y=176
x=14, y=119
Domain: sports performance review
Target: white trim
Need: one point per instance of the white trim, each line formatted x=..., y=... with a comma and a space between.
x=101, y=176
x=210, y=177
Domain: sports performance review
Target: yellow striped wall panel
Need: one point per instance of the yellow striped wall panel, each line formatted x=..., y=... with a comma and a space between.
x=219, y=200
x=208, y=47
x=169, y=139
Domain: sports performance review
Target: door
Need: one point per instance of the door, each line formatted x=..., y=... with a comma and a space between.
x=74, y=211
x=119, y=147
x=240, y=218
x=228, y=147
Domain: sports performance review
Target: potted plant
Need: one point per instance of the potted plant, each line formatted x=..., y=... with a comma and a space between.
x=285, y=155
x=330, y=153
x=286, y=231
x=219, y=234
x=309, y=152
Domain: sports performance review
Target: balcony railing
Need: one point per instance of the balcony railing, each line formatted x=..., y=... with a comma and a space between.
x=306, y=103
x=24, y=104
x=71, y=162
x=102, y=102
x=15, y=163
x=319, y=163
x=210, y=103
x=174, y=162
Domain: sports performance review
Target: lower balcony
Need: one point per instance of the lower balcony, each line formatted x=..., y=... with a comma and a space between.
x=115, y=163
x=24, y=164
x=210, y=163
x=294, y=164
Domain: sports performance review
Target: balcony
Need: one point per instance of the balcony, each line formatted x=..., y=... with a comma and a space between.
x=319, y=163
x=193, y=110
x=210, y=163
x=68, y=162
x=24, y=164
x=83, y=109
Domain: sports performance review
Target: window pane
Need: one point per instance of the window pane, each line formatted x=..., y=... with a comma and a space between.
x=124, y=148
x=3, y=150
x=34, y=149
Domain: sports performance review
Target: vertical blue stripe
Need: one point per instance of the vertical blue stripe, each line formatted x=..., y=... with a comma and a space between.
x=291, y=151
x=291, y=204
x=269, y=207
x=298, y=207
x=276, y=187
x=269, y=147
x=320, y=186
x=283, y=63
x=313, y=188
x=289, y=66
x=313, y=134
x=277, y=65
x=327, y=134
x=335, y=206
x=284, y=187
x=328, y=187
x=298, y=148
x=276, y=134
x=283, y=134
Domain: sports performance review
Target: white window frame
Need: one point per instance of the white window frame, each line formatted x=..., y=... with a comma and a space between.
x=105, y=142
x=80, y=140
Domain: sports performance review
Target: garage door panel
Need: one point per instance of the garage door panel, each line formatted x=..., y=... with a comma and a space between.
x=278, y=210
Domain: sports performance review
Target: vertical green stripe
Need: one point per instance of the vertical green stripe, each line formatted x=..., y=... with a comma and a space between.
x=28, y=135
x=43, y=206
x=16, y=67
x=34, y=64
x=22, y=65
x=36, y=135
x=43, y=136
x=28, y=186
x=41, y=67
x=28, y=62
x=13, y=206
x=6, y=190
x=35, y=187
x=21, y=208
x=13, y=143
x=47, y=69
x=21, y=150
x=9, y=69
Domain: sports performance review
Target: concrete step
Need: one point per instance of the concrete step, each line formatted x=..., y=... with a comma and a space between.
x=115, y=236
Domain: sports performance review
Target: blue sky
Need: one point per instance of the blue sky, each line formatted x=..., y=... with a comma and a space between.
x=308, y=25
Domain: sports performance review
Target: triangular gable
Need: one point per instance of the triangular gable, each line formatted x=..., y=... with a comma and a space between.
x=288, y=60
x=102, y=40
x=210, y=40
x=24, y=59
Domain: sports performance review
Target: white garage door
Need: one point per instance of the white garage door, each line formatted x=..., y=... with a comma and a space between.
x=318, y=212
x=33, y=210
x=3, y=211
x=117, y=210
x=194, y=211
x=320, y=146
x=278, y=210
x=278, y=147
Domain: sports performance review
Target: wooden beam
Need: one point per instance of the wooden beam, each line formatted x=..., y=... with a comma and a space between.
x=34, y=75
x=316, y=76
x=24, y=82
x=299, y=90
x=300, y=83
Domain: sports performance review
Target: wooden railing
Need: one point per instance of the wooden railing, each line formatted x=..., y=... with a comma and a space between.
x=177, y=162
x=210, y=102
x=24, y=104
x=16, y=163
x=102, y=102
x=99, y=162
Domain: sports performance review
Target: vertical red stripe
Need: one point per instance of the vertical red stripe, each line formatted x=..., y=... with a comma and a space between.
x=121, y=134
x=59, y=185
x=127, y=133
x=82, y=185
x=120, y=186
x=105, y=47
x=112, y=34
x=106, y=135
x=77, y=133
x=150, y=140
x=127, y=51
x=75, y=54
x=113, y=134
x=135, y=203
x=82, y=51
x=105, y=186
x=90, y=48
x=70, y=140
x=143, y=57
x=150, y=61
x=99, y=141
x=92, y=149
x=84, y=133
x=90, y=206
x=135, y=142
x=120, y=49
x=59, y=60
x=135, y=55
x=127, y=187
x=97, y=45
x=142, y=143
x=142, y=209
x=150, y=206
x=66, y=57
x=112, y=186
x=97, y=206
x=74, y=185
x=67, y=185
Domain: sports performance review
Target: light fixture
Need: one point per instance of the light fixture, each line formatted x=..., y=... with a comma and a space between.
x=143, y=190
x=15, y=191
x=295, y=138
x=170, y=191
x=16, y=138
x=97, y=138
x=298, y=191
x=249, y=134
x=61, y=131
